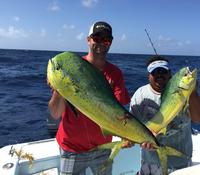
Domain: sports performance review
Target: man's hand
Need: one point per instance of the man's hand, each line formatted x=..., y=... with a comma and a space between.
x=194, y=93
x=127, y=143
x=147, y=146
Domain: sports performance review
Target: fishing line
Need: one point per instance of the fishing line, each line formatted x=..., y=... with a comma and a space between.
x=150, y=41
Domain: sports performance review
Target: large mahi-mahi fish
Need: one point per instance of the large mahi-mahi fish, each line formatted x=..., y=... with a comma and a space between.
x=174, y=99
x=85, y=87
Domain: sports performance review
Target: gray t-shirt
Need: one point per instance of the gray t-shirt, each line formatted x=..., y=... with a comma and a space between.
x=144, y=104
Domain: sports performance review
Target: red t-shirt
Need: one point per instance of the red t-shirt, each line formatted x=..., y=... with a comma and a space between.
x=79, y=133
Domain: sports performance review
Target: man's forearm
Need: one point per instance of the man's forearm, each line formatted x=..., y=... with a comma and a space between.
x=194, y=106
x=56, y=105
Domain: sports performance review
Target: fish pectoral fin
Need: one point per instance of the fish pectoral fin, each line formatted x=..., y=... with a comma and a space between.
x=183, y=85
x=175, y=91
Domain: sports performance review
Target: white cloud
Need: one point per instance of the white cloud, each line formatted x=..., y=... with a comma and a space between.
x=187, y=42
x=13, y=33
x=59, y=35
x=183, y=43
x=80, y=36
x=164, y=39
x=54, y=6
x=123, y=37
x=43, y=32
x=170, y=42
x=16, y=18
x=89, y=3
x=65, y=26
x=179, y=43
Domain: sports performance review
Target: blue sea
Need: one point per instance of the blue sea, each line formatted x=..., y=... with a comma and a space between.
x=24, y=94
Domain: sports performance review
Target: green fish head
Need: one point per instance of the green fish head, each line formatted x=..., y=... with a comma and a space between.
x=188, y=78
x=58, y=71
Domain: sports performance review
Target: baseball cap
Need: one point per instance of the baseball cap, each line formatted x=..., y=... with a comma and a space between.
x=158, y=64
x=102, y=28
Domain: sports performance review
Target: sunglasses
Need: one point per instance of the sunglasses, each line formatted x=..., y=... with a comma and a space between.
x=159, y=71
x=100, y=39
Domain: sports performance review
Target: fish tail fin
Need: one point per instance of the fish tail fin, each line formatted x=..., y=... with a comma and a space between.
x=115, y=148
x=163, y=152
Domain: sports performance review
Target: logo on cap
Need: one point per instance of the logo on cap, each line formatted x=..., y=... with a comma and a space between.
x=101, y=27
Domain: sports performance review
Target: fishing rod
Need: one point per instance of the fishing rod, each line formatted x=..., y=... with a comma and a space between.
x=150, y=41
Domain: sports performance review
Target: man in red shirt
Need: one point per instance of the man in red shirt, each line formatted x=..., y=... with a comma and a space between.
x=77, y=134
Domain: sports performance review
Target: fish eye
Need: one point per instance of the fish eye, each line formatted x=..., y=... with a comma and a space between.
x=58, y=66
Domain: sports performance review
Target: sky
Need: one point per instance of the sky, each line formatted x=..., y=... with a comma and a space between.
x=63, y=25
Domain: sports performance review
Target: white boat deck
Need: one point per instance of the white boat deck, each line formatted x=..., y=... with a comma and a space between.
x=45, y=153
x=46, y=159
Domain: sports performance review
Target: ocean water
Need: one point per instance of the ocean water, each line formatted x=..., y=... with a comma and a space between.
x=24, y=94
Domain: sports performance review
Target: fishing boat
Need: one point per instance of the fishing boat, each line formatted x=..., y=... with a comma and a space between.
x=32, y=158
x=42, y=158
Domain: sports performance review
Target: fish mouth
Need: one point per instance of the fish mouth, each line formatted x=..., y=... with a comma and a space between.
x=51, y=61
x=51, y=64
x=188, y=80
x=192, y=73
x=54, y=65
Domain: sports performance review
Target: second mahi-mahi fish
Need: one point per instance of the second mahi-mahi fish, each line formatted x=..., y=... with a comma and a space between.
x=174, y=99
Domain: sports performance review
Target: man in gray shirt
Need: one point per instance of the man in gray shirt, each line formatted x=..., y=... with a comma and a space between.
x=146, y=102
